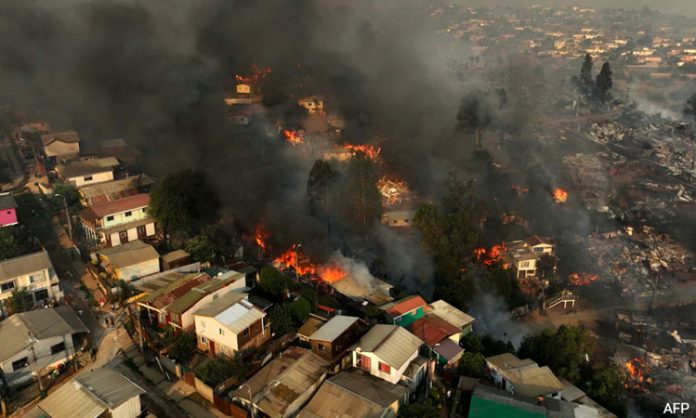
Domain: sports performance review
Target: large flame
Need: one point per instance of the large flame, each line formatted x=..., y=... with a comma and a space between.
x=331, y=274
x=636, y=371
x=260, y=235
x=293, y=137
x=393, y=191
x=492, y=256
x=291, y=259
x=371, y=151
x=582, y=279
x=560, y=195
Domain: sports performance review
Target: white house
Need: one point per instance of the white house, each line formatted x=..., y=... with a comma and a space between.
x=33, y=272
x=100, y=393
x=119, y=221
x=523, y=377
x=38, y=341
x=386, y=352
x=231, y=323
x=130, y=261
x=83, y=172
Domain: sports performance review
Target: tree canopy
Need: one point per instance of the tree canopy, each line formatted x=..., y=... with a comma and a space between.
x=183, y=347
x=184, y=203
x=607, y=388
x=272, y=281
x=690, y=108
x=8, y=246
x=220, y=369
x=586, y=72
x=20, y=301
x=211, y=243
x=362, y=201
x=322, y=177
x=604, y=82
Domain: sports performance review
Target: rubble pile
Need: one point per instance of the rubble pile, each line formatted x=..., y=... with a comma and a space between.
x=607, y=132
x=590, y=177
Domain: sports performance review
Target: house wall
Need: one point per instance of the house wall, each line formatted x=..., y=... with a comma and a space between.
x=120, y=218
x=79, y=181
x=542, y=249
x=45, y=279
x=136, y=271
x=208, y=329
x=128, y=409
x=8, y=217
x=394, y=375
x=409, y=318
x=333, y=349
x=187, y=320
x=114, y=239
x=45, y=361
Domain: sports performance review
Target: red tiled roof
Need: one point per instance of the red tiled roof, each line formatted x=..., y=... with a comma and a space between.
x=406, y=305
x=121, y=205
x=432, y=329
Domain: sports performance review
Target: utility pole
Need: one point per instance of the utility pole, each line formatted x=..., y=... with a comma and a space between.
x=36, y=364
x=67, y=214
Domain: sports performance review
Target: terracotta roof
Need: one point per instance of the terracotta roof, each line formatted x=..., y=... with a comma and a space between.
x=432, y=329
x=404, y=306
x=121, y=205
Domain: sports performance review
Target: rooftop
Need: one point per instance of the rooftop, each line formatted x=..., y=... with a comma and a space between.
x=130, y=254
x=391, y=343
x=7, y=201
x=108, y=191
x=494, y=403
x=86, y=167
x=279, y=384
x=233, y=311
x=165, y=295
x=451, y=314
x=309, y=327
x=136, y=201
x=334, y=328
x=25, y=264
x=432, y=329
x=526, y=376
x=404, y=306
x=190, y=298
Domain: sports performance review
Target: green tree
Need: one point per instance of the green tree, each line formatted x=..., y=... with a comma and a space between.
x=586, y=72
x=362, y=201
x=210, y=244
x=220, y=369
x=184, y=203
x=690, y=108
x=301, y=308
x=272, y=281
x=72, y=196
x=282, y=319
x=473, y=365
x=8, y=246
x=20, y=301
x=607, y=388
x=183, y=347
x=422, y=409
x=505, y=285
x=563, y=350
x=604, y=82
x=321, y=180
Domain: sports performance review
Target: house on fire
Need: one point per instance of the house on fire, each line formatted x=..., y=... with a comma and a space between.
x=119, y=221
x=38, y=341
x=231, y=323
x=387, y=351
x=284, y=385
x=522, y=255
x=523, y=377
x=33, y=272
x=87, y=171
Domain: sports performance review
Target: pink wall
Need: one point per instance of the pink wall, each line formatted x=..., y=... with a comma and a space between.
x=8, y=217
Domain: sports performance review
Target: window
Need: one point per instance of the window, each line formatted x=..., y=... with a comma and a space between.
x=58, y=348
x=221, y=331
x=524, y=264
x=245, y=332
x=7, y=286
x=20, y=364
x=129, y=213
x=384, y=367
x=109, y=218
x=35, y=278
x=88, y=178
x=41, y=294
x=538, y=249
x=144, y=209
x=321, y=347
x=203, y=340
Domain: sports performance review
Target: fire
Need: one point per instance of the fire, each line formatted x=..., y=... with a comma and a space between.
x=582, y=279
x=291, y=259
x=393, y=191
x=560, y=195
x=260, y=236
x=371, y=151
x=257, y=74
x=293, y=137
x=331, y=274
x=637, y=372
x=490, y=257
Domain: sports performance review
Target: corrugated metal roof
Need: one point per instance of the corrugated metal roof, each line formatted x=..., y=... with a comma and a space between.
x=528, y=378
x=165, y=295
x=121, y=205
x=86, y=167
x=309, y=327
x=19, y=266
x=190, y=298
x=334, y=328
x=240, y=316
x=370, y=387
x=333, y=401
x=130, y=254
x=276, y=386
x=220, y=304
x=451, y=314
x=391, y=343
x=109, y=386
x=71, y=402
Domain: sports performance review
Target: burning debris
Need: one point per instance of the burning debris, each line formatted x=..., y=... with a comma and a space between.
x=260, y=236
x=294, y=137
x=582, y=279
x=256, y=75
x=637, y=375
x=560, y=195
x=492, y=256
x=370, y=151
x=394, y=192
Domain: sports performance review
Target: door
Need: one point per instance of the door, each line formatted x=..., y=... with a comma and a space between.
x=365, y=363
x=141, y=232
x=123, y=237
x=211, y=344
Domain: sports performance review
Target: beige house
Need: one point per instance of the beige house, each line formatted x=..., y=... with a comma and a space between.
x=38, y=341
x=33, y=272
x=398, y=218
x=522, y=255
x=60, y=145
x=229, y=324
x=130, y=261
x=523, y=377
x=119, y=221
x=83, y=172
x=386, y=352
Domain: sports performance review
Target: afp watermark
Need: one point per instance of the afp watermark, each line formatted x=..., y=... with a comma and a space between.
x=676, y=407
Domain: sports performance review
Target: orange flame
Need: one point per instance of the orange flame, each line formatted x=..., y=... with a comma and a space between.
x=257, y=74
x=260, y=236
x=393, y=191
x=331, y=274
x=371, y=151
x=293, y=137
x=636, y=374
x=582, y=279
x=491, y=256
x=291, y=259
x=560, y=195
